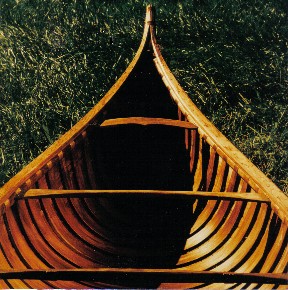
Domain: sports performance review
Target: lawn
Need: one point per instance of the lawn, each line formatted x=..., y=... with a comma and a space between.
x=58, y=58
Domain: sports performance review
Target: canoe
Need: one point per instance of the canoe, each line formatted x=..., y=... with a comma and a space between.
x=143, y=192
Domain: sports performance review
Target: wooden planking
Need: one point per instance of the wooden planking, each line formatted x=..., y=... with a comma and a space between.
x=79, y=165
x=48, y=193
x=148, y=121
x=22, y=243
x=69, y=249
x=42, y=182
x=38, y=233
x=91, y=246
x=55, y=177
x=89, y=164
x=68, y=171
x=164, y=275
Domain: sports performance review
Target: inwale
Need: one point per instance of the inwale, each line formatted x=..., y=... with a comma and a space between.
x=143, y=192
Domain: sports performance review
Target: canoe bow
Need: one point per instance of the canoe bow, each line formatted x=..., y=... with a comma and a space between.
x=138, y=194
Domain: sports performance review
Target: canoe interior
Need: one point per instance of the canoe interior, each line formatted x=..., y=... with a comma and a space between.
x=138, y=230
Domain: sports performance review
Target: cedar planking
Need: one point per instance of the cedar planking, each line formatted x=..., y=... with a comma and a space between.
x=143, y=192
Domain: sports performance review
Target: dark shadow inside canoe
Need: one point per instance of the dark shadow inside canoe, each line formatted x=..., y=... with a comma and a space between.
x=137, y=157
x=141, y=157
x=142, y=94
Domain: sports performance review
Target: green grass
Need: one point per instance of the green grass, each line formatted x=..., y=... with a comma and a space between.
x=58, y=58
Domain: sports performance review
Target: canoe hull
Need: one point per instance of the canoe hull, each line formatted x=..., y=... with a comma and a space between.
x=143, y=192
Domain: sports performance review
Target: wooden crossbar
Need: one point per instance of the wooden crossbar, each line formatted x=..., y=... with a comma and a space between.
x=159, y=275
x=52, y=193
x=148, y=121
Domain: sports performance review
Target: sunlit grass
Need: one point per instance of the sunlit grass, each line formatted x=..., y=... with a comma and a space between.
x=57, y=58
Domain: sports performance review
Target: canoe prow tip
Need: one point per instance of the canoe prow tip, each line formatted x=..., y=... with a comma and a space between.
x=150, y=14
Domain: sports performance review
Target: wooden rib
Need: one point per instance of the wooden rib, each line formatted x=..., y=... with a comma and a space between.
x=42, y=182
x=89, y=164
x=148, y=121
x=22, y=244
x=79, y=165
x=275, y=249
x=109, y=221
x=67, y=169
x=99, y=222
x=187, y=139
x=17, y=284
x=242, y=246
x=231, y=179
x=54, y=177
x=89, y=227
x=204, y=214
x=72, y=249
x=198, y=172
x=220, y=174
x=165, y=275
x=208, y=234
x=231, y=253
x=243, y=185
x=3, y=285
x=6, y=244
x=3, y=259
x=97, y=249
x=210, y=168
x=192, y=150
x=41, y=240
x=260, y=239
x=187, y=134
x=44, y=193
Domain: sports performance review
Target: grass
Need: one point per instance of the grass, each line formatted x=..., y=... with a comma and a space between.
x=58, y=58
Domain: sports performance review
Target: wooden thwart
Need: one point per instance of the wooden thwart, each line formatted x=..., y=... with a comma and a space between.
x=163, y=275
x=148, y=121
x=52, y=193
